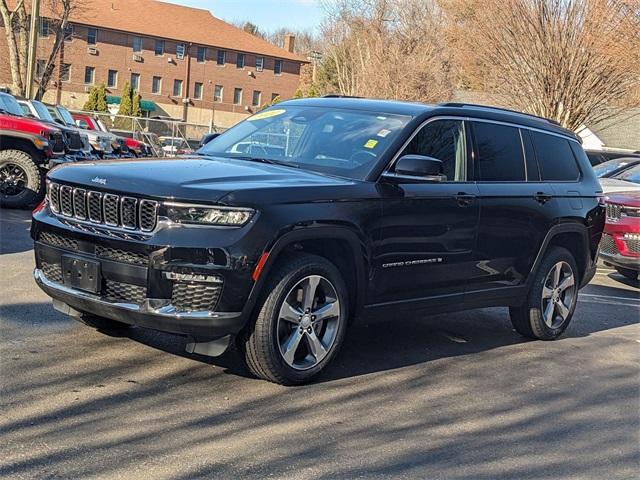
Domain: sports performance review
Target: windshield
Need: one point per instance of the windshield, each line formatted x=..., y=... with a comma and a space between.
x=631, y=175
x=66, y=116
x=42, y=111
x=10, y=104
x=339, y=142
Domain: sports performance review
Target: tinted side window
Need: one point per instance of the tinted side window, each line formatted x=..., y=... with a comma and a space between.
x=445, y=141
x=500, y=157
x=555, y=157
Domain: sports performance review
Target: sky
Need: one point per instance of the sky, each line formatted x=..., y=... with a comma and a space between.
x=268, y=15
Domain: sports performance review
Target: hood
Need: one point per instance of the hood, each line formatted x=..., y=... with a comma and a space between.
x=629, y=199
x=613, y=185
x=25, y=124
x=191, y=179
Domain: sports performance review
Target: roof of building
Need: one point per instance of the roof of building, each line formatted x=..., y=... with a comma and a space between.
x=620, y=131
x=176, y=22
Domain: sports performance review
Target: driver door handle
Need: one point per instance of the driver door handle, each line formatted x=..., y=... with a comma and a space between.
x=464, y=199
x=542, y=197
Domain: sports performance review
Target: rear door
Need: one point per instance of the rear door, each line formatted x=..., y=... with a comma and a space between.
x=516, y=207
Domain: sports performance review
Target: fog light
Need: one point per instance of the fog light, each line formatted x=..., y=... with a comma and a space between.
x=632, y=236
x=192, y=277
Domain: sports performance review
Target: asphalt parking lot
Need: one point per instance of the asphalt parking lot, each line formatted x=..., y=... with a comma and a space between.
x=415, y=396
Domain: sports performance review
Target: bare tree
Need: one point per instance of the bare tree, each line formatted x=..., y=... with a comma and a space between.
x=16, y=23
x=575, y=61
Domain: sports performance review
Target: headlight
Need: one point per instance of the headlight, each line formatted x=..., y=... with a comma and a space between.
x=220, y=216
x=41, y=143
x=630, y=212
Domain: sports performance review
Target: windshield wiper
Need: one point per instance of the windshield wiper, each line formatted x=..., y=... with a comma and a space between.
x=269, y=161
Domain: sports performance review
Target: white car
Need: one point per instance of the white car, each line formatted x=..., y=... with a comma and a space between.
x=626, y=181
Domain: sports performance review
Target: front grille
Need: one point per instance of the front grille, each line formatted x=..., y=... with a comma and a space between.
x=53, y=272
x=124, y=292
x=188, y=297
x=59, y=241
x=608, y=245
x=74, y=142
x=633, y=245
x=613, y=211
x=119, y=255
x=109, y=209
x=57, y=142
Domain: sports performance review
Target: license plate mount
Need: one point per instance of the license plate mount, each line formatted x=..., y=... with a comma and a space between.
x=81, y=273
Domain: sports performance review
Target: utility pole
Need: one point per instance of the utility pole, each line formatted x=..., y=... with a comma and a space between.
x=33, y=46
x=314, y=56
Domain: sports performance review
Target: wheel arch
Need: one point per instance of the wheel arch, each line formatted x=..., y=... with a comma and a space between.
x=340, y=245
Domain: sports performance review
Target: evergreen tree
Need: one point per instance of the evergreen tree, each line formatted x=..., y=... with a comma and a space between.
x=92, y=102
x=136, y=109
x=126, y=107
x=298, y=94
x=101, y=98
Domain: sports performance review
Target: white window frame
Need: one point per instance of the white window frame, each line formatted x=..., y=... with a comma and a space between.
x=158, y=41
x=224, y=58
x=137, y=87
x=235, y=90
x=240, y=55
x=218, y=99
x=115, y=83
x=199, y=49
x=159, y=91
x=68, y=74
x=173, y=90
x=198, y=97
x=95, y=39
x=133, y=44
x=261, y=67
x=253, y=98
x=183, y=47
x=281, y=63
x=93, y=75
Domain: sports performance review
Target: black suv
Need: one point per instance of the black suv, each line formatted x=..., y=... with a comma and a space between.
x=278, y=233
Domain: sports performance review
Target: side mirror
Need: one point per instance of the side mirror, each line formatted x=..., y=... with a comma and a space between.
x=419, y=167
x=57, y=120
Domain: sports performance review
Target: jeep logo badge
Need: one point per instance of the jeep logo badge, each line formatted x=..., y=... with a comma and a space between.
x=101, y=181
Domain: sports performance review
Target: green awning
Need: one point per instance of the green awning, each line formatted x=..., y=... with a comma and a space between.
x=145, y=105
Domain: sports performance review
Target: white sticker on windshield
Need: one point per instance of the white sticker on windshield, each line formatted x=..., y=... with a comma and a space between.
x=384, y=132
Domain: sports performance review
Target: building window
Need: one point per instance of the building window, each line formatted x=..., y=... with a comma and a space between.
x=43, y=27
x=156, y=85
x=240, y=60
x=159, y=48
x=137, y=44
x=197, y=91
x=255, y=101
x=112, y=78
x=277, y=68
x=40, y=64
x=180, y=51
x=259, y=64
x=237, y=96
x=222, y=57
x=177, y=88
x=275, y=96
x=92, y=36
x=135, y=81
x=68, y=32
x=217, y=94
x=65, y=72
x=88, y=75
x=201, y=55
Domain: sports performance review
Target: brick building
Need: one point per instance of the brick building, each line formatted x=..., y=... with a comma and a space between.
x=184, y=62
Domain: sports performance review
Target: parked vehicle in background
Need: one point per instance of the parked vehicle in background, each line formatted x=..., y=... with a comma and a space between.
x=172, y=146
x=620, y=245
x=207, y=137
x=331, y=209
x=102, y=143
x=613, y=167
x=597, y=157
x=626, y=181
x=136, y=147
x=77, y=145
x=28, y=147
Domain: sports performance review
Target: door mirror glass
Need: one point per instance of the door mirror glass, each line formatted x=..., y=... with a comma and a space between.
x=419, y=166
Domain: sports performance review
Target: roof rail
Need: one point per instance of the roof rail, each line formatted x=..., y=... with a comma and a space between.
x=488, y=107
x=335, y=95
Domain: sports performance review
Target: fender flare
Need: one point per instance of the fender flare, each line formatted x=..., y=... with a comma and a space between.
x=554, y=231
x=29, y=137
x=315, y=232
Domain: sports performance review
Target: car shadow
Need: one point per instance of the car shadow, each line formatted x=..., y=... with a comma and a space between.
x=14, y=231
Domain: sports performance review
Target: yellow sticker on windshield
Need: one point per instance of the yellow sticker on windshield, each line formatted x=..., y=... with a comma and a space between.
x=267, y=114
x=371, y=143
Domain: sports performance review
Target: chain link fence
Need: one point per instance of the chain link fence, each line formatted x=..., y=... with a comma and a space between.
x=166, y=137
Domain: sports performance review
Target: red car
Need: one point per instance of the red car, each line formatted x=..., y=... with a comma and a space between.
x=27, y=148
x=620, y=246
x=91, y=123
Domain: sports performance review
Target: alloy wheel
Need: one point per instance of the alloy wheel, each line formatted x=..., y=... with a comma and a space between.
x=308, y=322
x=13, y=179
x=558, y=295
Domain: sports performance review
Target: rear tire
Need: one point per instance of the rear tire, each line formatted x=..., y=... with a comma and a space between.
x=21, y=181
x=627, y=272
x=300, y=323
x=552, y=298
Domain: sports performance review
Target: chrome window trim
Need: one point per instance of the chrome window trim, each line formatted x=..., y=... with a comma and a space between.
x=463, y=119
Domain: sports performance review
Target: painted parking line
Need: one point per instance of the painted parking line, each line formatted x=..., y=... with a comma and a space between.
x=609, y=300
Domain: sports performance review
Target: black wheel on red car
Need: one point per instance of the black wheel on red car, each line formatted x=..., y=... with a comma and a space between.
x=552, y=298
x=21, y=181
x=628, y=272
x=300, y=323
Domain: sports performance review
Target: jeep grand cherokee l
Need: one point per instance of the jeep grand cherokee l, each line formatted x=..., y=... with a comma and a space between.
x=332, y=209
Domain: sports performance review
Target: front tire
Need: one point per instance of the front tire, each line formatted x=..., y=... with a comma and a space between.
x=552, y=298
x=300, y=323
x=21, y=181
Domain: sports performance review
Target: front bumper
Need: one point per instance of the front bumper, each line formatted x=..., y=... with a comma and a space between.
x=622, y=261
x=150, y=314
